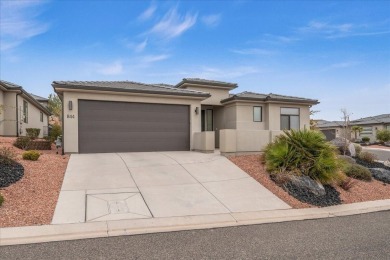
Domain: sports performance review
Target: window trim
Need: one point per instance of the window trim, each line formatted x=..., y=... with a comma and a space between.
x=41, y=116
x=261, y=113
x=289, y=118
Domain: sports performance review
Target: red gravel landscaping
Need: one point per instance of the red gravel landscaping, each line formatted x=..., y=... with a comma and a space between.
x=361, y=191
x=32, y=200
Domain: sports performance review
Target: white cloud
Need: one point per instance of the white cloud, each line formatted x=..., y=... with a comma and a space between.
x=148, y=13
x=137, y=47
x=327, y=28
x=19, y=22
x=114, y=68
x=254, y=51
x=211, y=20
x=148, y=59
x=173, y=24
x=346, y=64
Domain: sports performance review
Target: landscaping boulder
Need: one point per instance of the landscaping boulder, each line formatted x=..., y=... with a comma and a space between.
x=381, y=174
x=307, y=183
x=347, y=158
x=351, y=148
x=309, y=191
x=342, y=144
x=387, y=163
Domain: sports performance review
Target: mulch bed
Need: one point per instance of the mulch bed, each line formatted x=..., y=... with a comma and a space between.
x=10, y=173
x=32, y=199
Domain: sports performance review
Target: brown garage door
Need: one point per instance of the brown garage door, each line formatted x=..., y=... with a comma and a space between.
x=106, y=126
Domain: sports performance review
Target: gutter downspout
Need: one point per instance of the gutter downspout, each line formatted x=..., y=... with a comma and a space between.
x=17, y=114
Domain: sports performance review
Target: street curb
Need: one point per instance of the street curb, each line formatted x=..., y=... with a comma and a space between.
x=61, y=232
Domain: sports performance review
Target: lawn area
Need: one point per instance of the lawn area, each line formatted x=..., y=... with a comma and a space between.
x=32, y=200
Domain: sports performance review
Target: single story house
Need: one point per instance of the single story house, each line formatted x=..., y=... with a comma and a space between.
x=370, y=127
x=20, y=110
x=195, y=114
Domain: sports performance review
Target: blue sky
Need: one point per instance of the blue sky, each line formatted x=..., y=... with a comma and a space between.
x=337, y=52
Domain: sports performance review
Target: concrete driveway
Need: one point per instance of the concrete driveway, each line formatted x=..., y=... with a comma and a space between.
x=114, y=186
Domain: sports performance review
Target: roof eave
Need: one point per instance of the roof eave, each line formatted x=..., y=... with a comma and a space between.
x=92, y=88
x=228, y=86
x=236, y=98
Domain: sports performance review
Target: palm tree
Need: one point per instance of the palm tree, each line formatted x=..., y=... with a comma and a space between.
x=356, y=129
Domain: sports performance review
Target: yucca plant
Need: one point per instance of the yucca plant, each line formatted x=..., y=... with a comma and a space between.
x=303, y=152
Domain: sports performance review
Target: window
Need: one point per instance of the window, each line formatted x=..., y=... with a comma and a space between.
x=25, y=111
x=41, y=117
x=207, y=120
x=289, y=118
x=257, y=114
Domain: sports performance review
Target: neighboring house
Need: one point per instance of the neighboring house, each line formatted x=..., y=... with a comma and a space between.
x=370, y=127
x=195, y=114
x=20, y=110
x=43, y=101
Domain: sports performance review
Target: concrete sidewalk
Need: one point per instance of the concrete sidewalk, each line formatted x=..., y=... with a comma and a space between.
x=47, y=233
x=117, y=186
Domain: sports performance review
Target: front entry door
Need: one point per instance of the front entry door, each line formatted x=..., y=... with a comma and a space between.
x=207, y=120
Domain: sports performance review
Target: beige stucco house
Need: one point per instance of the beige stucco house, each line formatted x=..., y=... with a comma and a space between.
x=195, y=114
x=20, y=110
x=370, y=126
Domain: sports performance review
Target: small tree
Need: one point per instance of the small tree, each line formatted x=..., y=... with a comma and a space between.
x=383, y=135
x=55, y=105
x=313, y=123
x=356, y=129
x=346, y=133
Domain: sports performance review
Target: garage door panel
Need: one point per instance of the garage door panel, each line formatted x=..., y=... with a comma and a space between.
x=106, y=126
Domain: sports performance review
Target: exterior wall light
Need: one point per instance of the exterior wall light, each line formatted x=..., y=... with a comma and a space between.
x=70, y=105
x=197, y=110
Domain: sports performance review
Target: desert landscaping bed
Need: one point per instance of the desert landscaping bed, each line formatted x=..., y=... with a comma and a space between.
x=361, y=191
x=32, y=200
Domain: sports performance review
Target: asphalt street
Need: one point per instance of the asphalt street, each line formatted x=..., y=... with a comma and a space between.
x=381, y=154
x=365, y=236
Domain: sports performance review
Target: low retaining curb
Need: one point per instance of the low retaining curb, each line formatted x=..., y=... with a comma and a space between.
x=61, y=232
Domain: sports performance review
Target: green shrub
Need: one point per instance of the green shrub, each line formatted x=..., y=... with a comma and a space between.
x=367, y=157
x=33, y=133
x=1, y=200
x=358, y=172
x=303, y=152
x=383, y=135
x=358, y=149
x=22, y=142
x=31, y=155
x=55, y=131
x=366, y=139
x=7, y=155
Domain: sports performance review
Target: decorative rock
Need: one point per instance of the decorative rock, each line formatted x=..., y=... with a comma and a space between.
x=347, y=158
x=352, y=151
x=381, y=174
x=341, y=144
x=387, y=163
x=10, y=173
x=307, y=183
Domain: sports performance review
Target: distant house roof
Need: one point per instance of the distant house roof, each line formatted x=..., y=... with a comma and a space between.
x=39, y=98
x=380, y=119
x=12, y=86
x=327, y=124
x=268, y=97
x=128, y=86
x=206, y=82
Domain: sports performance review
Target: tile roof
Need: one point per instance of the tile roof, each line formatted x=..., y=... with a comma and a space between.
x=379, y=119
x=13, y=86
x=10, y=85
x=268, y=97
x=325, y=124
x=39, y=98
x=207, y=82
x=128, y=86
